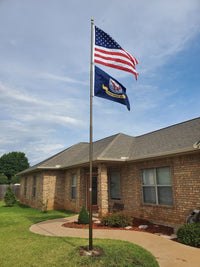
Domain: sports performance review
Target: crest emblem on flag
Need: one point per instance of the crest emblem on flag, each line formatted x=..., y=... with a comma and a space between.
x=115, y=87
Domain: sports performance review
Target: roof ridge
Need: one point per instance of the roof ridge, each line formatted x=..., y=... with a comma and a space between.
x=108, y=147
x=131, y=146
x=170, y=126
x=105, y=138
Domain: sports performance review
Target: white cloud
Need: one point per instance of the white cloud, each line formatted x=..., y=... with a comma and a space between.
x=16, y=94
x=38, y=108
x=59, y=78
x=43, y=151
x=32, y=123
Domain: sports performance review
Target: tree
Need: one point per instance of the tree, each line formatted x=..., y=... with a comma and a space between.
x=9, y=197
x=15, y=179
x=3, y=179
x=12, y=163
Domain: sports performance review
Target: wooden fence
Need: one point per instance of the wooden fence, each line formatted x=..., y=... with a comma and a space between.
x=15, y=189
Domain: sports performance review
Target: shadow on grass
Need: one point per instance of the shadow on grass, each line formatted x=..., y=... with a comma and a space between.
x=16, y=204
x=23, y=206
x=43, y=217
x=67, y=241
x=49, y=215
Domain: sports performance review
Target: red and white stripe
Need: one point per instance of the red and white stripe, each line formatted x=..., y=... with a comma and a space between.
x=115, y=58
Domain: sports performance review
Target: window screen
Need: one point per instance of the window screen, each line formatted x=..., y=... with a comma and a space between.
x=115, y=185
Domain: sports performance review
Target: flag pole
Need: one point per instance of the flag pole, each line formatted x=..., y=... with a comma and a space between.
x=91, y=132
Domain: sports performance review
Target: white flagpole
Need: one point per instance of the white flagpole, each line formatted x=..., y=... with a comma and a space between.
x=91, y=132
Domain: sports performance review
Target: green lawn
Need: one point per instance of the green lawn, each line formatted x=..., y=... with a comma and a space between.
x=20, y=247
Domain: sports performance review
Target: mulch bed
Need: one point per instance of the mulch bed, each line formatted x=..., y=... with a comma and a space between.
x=152, y=228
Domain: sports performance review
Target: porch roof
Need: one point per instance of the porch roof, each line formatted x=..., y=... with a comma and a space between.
x=174, y=139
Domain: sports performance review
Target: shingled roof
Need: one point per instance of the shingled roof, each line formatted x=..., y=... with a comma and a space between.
x=174, y=139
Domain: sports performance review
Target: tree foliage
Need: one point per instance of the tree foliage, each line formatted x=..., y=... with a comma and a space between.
x=12, y=163
x=15, y=180
x=3, y=179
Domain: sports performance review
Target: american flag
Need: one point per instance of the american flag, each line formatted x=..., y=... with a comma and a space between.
x=109, y=53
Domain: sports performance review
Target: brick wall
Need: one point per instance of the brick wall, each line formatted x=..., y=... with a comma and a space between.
x=53, y=189
x=185, y=176
x=28, y=198
x=55, y=186
x=81, y=184
x=102, y=189
x=83, y=189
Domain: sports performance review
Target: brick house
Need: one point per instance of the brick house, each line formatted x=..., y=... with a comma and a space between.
x=155, y=176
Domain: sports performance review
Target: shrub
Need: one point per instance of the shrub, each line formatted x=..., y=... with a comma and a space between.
x=118, y=219
x=44, y=206
x=83, y=217
x=189, y=234
x=9, y=197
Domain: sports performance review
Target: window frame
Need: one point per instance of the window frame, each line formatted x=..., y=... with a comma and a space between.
x=110, y=193
x=73, y=186
x=25, y=186
x=34, y=186
x=156, y=186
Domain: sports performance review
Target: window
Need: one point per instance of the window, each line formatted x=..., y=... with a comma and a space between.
x=25, y=186
x=115, y=185
x=157, y=187
x=73, y=186
x=34, y=186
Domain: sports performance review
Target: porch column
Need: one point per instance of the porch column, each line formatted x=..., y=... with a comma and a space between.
x=102, y=189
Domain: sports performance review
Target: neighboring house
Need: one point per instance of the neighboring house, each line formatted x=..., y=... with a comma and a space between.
x=155, y=176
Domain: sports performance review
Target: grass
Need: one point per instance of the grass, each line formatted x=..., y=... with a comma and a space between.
x=20, y=247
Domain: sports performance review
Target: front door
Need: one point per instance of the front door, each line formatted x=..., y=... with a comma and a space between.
x=94, y=193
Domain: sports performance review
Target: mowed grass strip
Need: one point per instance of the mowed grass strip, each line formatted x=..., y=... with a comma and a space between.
x=20, y=247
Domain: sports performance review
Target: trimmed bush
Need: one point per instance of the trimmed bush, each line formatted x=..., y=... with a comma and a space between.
x=118, y=219
x=9, y=197
x=83, y=217
x=189, y=234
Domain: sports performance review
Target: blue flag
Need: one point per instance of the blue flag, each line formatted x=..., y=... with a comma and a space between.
x=107, y=87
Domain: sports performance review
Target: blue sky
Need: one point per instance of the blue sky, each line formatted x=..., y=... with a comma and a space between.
x=45, y=70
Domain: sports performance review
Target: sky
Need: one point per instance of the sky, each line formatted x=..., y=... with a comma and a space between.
x=45, y=48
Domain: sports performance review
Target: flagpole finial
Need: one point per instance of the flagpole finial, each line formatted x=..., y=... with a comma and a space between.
x=92, y=19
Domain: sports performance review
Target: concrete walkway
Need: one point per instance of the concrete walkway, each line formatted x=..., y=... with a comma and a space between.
x=168, y=253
